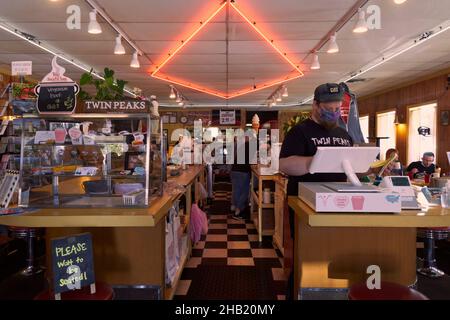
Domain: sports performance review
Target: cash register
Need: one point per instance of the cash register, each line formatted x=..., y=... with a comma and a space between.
x=352, y=196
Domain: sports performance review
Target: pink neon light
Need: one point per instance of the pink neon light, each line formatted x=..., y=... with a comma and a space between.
x=236, y=93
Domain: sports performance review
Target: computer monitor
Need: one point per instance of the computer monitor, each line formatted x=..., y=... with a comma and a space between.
x=348, y=160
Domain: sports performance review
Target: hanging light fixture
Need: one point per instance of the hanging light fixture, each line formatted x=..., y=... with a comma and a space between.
x=178, y=100
x=172, y=93
x=119, y=48
x=278, y=97
x=399, y=1
x=316, y=64
x=135, y=61
x=94, y=27
x=333, y=46
x=361, y=24
x=285, y=91
x=274, y=101
x=181, y=103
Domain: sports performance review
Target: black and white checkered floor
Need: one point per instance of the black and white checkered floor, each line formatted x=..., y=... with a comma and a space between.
x=229, y=262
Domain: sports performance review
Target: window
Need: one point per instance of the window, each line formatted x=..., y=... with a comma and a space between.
x=386, y=129
x=364, y=123
x=422, y=116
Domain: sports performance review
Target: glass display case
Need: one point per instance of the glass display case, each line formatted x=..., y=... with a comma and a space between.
x=91, y=160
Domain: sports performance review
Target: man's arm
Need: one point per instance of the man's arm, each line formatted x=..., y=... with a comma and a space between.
x=295, y=165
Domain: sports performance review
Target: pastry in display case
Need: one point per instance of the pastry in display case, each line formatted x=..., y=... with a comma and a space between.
x=91, y=160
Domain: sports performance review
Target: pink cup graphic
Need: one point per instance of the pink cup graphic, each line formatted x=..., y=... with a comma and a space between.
x=358, y=202
x=60, y=135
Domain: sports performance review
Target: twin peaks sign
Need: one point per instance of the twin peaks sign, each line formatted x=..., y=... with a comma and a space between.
x=116, y=107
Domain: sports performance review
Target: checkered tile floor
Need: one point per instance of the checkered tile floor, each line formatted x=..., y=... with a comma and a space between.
x=232, y=242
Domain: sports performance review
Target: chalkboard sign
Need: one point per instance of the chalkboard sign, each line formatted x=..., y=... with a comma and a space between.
x=73, y=263
x=56, y=98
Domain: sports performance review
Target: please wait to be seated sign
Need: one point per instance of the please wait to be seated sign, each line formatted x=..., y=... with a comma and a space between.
x=73, y=263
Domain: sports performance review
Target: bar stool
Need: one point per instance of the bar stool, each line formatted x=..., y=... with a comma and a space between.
x=29, y=235
x=103, y=291
x=430, y=235
x=388, y=291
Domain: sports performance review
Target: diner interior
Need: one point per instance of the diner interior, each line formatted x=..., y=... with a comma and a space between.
x=161, y=228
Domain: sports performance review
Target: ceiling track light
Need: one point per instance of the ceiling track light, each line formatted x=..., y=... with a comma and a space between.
x=279, y=99
x=285, y=91
x=38, y=44
x=361, y=24
x=315, y=64
x=333, y=46
x=100, y=12
x=172, y=92
x=119, y=48
x=399, y=1
x=443, y=27
x=277, y=95
x=94, y=27
x=135, y=60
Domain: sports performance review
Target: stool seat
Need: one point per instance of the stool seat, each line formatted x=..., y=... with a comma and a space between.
x=103, y=291
x=388, y=291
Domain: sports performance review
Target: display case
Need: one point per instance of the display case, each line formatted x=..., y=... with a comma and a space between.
x=91, y=160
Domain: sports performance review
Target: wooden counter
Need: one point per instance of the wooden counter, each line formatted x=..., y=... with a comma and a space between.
x=129, y=244
x=333, y=250
x=431, y=217
x=104, y=217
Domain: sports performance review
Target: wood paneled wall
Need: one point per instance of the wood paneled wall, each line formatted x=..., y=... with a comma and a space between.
x=433, y=89
x=4, y=80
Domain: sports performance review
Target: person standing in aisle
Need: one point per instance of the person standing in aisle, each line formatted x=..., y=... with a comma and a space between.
x=301, y=142
x=240, y=180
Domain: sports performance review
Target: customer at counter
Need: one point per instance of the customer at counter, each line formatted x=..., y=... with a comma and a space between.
x=426, y=166
x=301, y=142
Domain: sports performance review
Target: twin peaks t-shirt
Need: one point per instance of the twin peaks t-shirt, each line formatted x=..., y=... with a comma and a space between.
x=303, y=140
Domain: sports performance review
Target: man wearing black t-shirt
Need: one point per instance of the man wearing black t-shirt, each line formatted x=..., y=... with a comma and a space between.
x=301, y=142
x=424, y=166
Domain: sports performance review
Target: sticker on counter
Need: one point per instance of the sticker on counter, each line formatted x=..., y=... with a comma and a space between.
x=358, y=202
x=324, y=199
x=341, y=201
x=393, y=198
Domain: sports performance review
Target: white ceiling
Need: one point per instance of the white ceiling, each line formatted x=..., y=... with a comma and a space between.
x=296, y=26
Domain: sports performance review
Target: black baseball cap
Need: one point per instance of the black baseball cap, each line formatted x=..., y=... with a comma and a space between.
x=329, y=92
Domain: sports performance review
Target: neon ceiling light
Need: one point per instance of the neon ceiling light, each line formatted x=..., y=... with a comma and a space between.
x=158, y=74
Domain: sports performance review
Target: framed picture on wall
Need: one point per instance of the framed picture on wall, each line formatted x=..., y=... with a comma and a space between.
x=445, y=117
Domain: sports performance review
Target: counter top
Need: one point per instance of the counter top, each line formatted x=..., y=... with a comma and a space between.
x=104, y=217
x=432, y=217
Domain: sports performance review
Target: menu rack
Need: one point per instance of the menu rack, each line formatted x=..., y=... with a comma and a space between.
x=8, y=185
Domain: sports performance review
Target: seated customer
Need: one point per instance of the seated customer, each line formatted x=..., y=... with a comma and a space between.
x=395, y=168
x=424, y=166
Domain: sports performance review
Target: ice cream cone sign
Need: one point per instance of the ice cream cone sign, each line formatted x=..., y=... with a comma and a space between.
x=255, y=122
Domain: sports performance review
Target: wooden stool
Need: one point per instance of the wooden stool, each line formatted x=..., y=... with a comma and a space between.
x=388, y=291
x=102, y=292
